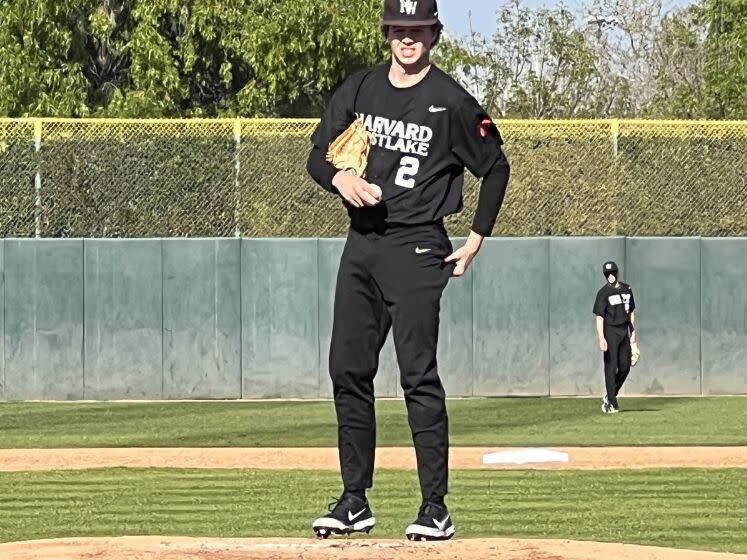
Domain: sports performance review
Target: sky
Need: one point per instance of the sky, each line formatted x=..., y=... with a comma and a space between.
x=455, y=14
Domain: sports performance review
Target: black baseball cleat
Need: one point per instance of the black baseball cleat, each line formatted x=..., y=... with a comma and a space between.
x=350, y=514
x=605, y=404
x=433, y=524
x=608, y=408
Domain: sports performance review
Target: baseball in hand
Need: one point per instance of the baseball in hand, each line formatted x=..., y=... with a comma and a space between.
x=377, y=191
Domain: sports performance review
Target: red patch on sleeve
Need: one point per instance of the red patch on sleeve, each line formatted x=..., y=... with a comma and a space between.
x=485, y=126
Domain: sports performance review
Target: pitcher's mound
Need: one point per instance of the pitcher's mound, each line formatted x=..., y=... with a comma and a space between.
x=179, y=548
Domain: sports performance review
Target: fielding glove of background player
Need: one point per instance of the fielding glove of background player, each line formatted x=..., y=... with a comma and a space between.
x=635, y=353
x=349, y=151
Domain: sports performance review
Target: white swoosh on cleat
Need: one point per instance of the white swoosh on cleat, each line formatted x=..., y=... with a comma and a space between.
x=441, y=524
x=352, y=517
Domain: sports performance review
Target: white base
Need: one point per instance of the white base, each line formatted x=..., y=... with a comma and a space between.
x=524, y=456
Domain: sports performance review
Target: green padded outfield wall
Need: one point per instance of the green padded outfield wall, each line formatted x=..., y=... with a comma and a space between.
x=575, y=277
x=43, y=319
x=2, y=320
x=201, y=318
x=724, y=316
x=279, y=318
x=665, y=277
x=251, y=318
x=511, y=317
x=123, y=319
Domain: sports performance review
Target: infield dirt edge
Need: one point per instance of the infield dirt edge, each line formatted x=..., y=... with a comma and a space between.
x=579, y=458
x=192, y=548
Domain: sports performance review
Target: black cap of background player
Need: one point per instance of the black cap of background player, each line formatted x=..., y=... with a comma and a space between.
x=410, y=12
x=610, y=267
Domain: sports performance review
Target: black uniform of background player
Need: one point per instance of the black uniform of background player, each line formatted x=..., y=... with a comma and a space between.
x=393, y=270
x=615, y=304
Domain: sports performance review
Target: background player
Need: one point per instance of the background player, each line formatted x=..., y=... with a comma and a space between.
x=398, y=258
x=615, y=321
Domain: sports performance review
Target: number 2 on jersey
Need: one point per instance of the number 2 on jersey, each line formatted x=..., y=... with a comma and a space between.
x=408, y=168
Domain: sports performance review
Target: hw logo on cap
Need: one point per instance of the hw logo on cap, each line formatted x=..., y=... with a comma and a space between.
x=410, y=12
x=408, y=7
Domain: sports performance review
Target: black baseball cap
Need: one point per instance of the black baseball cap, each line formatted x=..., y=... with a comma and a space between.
x=610, y=267
x=410, y=12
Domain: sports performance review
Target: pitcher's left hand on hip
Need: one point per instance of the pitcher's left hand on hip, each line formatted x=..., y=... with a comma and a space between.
x=464, y=255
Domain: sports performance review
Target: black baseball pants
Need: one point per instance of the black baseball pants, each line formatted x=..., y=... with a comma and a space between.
x=616, y=360
x=390, y=279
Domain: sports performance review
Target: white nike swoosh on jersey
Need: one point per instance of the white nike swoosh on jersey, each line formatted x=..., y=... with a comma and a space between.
x=420, y=251
x=433, y=109
x=441, y=524
x=352, y=517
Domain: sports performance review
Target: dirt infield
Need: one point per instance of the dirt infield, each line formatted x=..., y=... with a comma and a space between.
x=386, y=458
x=177, y=548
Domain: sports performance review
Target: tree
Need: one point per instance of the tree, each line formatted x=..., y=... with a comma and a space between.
x=248, y=57
x=42, y=70
x=624, y=35
x=725, y=71
x=181, y=57
x=680, y=60
x=538, y=64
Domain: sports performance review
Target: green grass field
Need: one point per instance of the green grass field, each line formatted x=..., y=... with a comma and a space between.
x=679, y=508
x=489, y=422
x=685, y=508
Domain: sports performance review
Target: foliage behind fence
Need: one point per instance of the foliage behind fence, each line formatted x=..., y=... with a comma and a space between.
x=219, y=178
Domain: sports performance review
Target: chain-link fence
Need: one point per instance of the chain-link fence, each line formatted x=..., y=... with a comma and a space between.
x=683, y=178
x=17, y=179
x=219, y=178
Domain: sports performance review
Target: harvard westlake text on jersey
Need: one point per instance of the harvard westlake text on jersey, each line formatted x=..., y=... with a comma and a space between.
x=423, y=137
x=398, y=136
x=615, y=304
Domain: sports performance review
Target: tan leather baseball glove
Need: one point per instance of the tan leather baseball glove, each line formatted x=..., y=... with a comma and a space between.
x=635, y=353
x=349, y=151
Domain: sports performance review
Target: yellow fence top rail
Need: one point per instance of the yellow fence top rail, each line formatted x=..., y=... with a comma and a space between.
x=545, y=122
